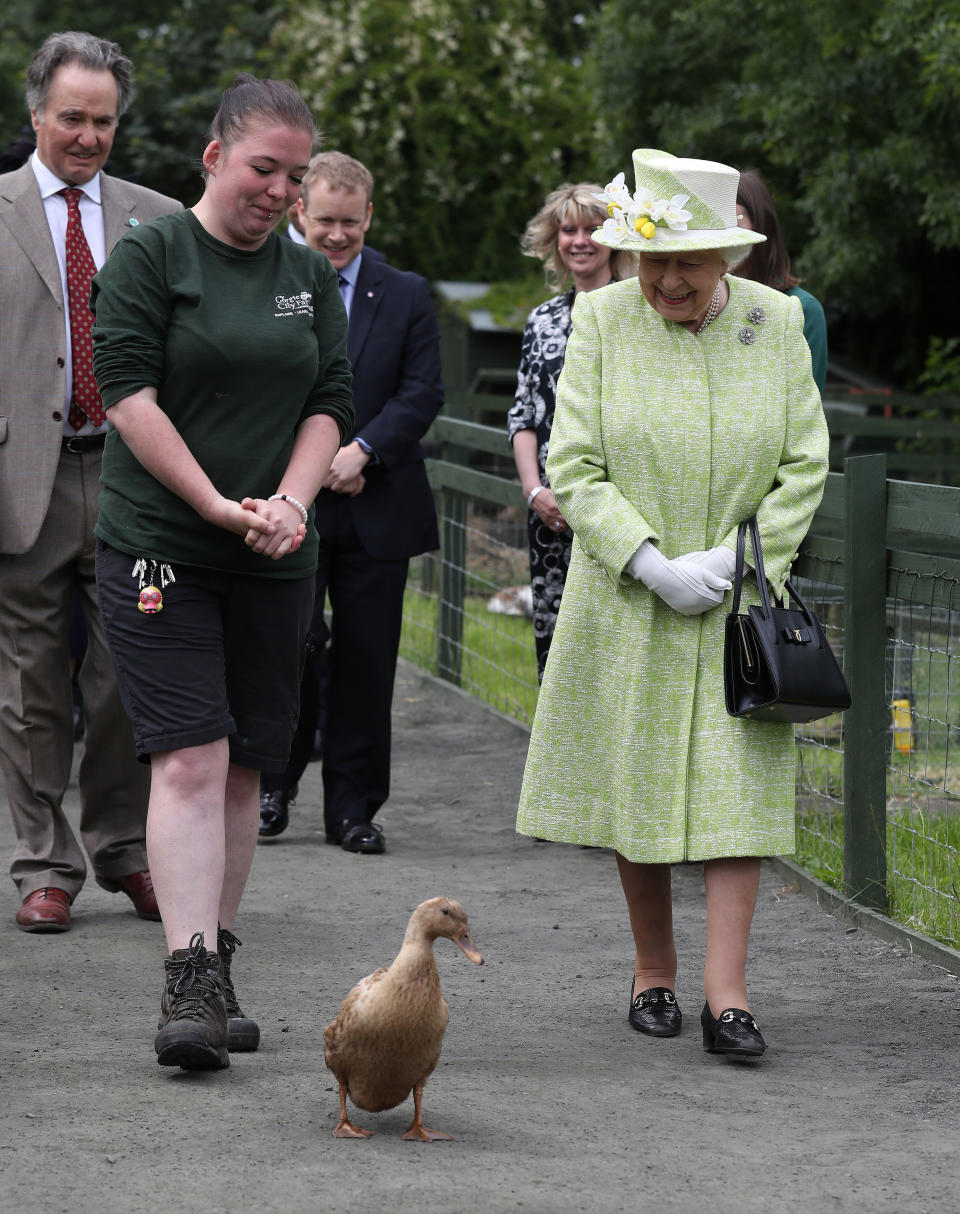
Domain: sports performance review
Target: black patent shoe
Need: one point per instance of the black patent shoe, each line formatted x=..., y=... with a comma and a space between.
x=654, y=1012
x=275, y=813
x=363, y=837
x=735, y=1032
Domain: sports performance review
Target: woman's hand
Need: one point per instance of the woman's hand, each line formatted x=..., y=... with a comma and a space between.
x=285, y=530
x=547, y=511
x=685, y=585
x=238, y=517
x=544, y=504
x=720, y=561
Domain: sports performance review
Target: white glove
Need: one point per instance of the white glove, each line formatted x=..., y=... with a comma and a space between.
x=683, y=584
x=720, y=561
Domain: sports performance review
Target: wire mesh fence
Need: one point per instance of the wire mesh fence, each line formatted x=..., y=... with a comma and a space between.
x=498, y=658
x=497, y=663
x=923, y=775
x=820, y=743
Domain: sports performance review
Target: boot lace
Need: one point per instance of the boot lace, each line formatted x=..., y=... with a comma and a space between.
x=192, y=981
x=227, y=945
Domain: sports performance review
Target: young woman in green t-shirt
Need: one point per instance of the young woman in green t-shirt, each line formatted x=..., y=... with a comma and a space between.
x=220, y=351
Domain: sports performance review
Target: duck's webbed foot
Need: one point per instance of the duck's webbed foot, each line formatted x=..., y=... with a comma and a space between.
x=418, y=1132
x=344, y=1127
x=346, y=1130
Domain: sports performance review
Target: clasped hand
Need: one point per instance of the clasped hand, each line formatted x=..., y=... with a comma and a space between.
x=690, y=584
x=273, y=529
x=285, y=530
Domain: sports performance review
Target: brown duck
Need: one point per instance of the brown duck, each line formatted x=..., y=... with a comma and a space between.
x=386, y=1039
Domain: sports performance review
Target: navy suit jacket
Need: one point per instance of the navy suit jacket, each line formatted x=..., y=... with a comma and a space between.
x=394, y=348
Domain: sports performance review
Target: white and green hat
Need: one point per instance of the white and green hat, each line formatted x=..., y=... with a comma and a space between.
x=680, y=205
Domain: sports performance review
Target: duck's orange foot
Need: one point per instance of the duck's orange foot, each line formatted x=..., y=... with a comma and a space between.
x=420, y=1133
x=346, y=1130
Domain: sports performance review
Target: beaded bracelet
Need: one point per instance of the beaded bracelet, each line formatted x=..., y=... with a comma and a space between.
x=285, y=497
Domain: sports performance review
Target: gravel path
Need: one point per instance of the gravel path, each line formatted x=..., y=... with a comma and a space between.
x=556, y=1104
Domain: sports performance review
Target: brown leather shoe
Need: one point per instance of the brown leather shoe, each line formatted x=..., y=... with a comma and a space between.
x=139, y=889
x=45, y=910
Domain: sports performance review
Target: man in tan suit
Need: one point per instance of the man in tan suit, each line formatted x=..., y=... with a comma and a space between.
x=78, y=86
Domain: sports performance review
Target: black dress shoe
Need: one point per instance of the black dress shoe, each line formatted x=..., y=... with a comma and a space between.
x=275, y=813
x=734, y=1032
x=356, y=836
x=655, y=1012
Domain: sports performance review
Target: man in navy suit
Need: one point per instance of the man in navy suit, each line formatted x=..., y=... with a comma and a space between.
x=374, y=512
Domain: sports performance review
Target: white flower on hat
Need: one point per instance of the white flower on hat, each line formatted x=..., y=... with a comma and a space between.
x=615, y=228
x=644, y=203
x=646, y=211
x=615, y=195
x=673, y=214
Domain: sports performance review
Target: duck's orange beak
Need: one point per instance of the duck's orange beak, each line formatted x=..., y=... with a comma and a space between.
x=468, y=948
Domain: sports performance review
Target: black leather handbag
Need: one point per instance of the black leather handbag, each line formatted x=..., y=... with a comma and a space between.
x=777, y=662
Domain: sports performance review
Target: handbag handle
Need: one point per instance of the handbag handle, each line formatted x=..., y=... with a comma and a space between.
x=761, y=573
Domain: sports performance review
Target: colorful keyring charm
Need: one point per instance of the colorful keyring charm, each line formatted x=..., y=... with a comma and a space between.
x=151, y=600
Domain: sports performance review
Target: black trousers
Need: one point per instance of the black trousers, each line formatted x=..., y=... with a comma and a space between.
x=347, y=687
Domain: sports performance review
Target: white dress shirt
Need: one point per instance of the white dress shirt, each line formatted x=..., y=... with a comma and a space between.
x=348, y=281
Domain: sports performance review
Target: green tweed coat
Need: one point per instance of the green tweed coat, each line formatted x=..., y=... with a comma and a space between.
x=666, y=435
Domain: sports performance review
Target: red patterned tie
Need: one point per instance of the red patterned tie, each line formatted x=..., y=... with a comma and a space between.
x=85, y=402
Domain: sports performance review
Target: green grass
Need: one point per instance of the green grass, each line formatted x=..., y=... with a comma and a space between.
x=923, y=865
x=499, y=657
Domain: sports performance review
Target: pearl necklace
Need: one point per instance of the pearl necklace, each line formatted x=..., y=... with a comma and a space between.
x=713, y=311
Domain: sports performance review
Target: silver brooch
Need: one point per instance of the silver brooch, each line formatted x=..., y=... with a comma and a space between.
x=756, y=315
x=747, y=336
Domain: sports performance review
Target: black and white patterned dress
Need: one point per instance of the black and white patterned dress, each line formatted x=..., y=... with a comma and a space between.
x=541, y=360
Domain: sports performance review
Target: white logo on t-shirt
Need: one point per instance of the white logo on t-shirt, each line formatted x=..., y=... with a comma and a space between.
x=294, y=305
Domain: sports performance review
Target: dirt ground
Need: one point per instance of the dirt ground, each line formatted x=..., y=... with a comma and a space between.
x=555, y=1103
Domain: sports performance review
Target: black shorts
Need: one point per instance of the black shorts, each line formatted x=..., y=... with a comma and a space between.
x=220, y=656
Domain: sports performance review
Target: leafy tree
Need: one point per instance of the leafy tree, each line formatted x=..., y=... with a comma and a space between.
x=469, y=112
x=184, y=55
x=466, y=114
x=183, y=65
x=848, y=108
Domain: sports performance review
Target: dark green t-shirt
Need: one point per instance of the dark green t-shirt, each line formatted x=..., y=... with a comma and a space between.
x=241, y=347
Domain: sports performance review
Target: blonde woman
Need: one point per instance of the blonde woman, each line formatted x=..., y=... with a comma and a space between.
x=559, y=235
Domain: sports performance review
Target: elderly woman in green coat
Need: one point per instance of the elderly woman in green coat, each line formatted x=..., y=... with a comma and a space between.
x=686, y=405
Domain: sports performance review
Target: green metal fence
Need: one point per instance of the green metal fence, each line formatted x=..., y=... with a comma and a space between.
x=878, y=791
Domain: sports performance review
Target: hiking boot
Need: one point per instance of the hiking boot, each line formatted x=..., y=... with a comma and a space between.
x=193, y=1011
x=243, y=1034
